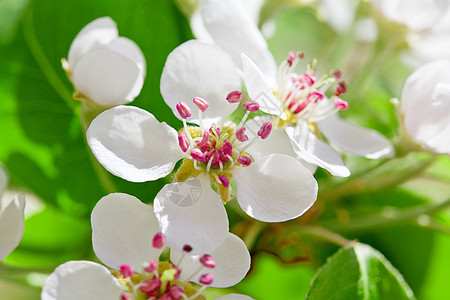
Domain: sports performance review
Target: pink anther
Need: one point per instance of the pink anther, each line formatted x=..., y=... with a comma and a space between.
x=240, y=134
x=184, y=110
x=251, y=105
x=198, y=155
x=183, y=142
x=201, y=103
x=206, y=279
x=340, y=104
x=235, y=97
x=244, y=160
x=224, y=180
x=126, y=270
x=208, y=261
x=265, y=130
x=159, y=240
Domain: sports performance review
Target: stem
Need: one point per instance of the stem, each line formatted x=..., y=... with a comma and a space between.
x=324, y=234
x=377, y=179
x=43, y=62
x=252, y=233
x=388, y=217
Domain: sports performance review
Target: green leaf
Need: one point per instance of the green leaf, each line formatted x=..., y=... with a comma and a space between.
x=358, y=272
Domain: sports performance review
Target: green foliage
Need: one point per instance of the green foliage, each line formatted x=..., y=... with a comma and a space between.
x=358, y=272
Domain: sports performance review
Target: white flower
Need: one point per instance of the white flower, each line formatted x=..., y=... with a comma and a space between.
x=124, y=230
x=425, y=106
x=131, y=143
x=103, y=67
x=231, y=29
x=415, y=14
x=11, y=219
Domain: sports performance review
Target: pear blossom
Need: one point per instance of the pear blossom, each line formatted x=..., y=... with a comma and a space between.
x=417, y=15
x=124, y=233
x=103, y=67
x=425, y=106
x=11, y=219
x=297, y=99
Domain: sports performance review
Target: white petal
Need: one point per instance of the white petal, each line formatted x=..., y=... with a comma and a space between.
x=198, y=69
x=122, y=231
x=75, y=280
x=95, y=35
x=234, y=297
x=11, y=225
x=232, y=263
x=275, y=188
x=198, y=28
x=340, y=14
x=191, y=213
x=4, y=180
x=131, y=50
x=107, y=77
x=233, y=29
x=130, y=143
x=259, y=90
x=311, y=149
x=425, y=104
x=355, y=139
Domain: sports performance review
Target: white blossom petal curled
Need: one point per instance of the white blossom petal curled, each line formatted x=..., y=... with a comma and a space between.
x=4, y=180
x=355, y=139
x=96, y=35
x=232, y=28
x=415, y=14
x=75, y=280
x=191, y=213
x=122, y=231
x=130, y=143
x=309, y=148
x=198, y=69
x=232, y=263
x=103, y=67
x=107, y=78
x=425, y=104
x=11, y=225
x=275, y=188
x=259, y=90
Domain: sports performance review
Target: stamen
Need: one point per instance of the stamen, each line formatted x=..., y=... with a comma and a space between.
x=159, y=240
x=207, y=260
x=225, y=182
x=183, y=142
x=197, y=154
x=184, y=110
x=291, y=58
x=126, y=270
x=340, y=104
x=196, y=166
x=187, y=248
x=244, y=160
x=151, y=267
x=337, y=74
x=234, y=97
x=341, y=89
x=125, y=296
x=231, y=160
x=206, y=279
x=176, y=292
x=150, y=287
x=201, y=103
x=240, y=134
x=251, y=106
x=204, y=140
x=265, y=130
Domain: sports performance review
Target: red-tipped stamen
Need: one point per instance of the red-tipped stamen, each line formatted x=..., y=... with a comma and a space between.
x=251, y=106
x=198, y=155
x=341, y=89
x=265, y=130
x=126, y=270
x=240, y=134
x=244, y=160
x=125, y=296
x=340, y=104
x=183, y=142
x=206, y=279
x=204, y=140
x=184, y=110
x=337, y=74
x=291, y=58
x=201, y=103
x=150, y=287
x=234, y=97
x=176, y=292
x=159, y=240
x=224, y=180
x=187, y=248
x=207, y=261
x=151, y=266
